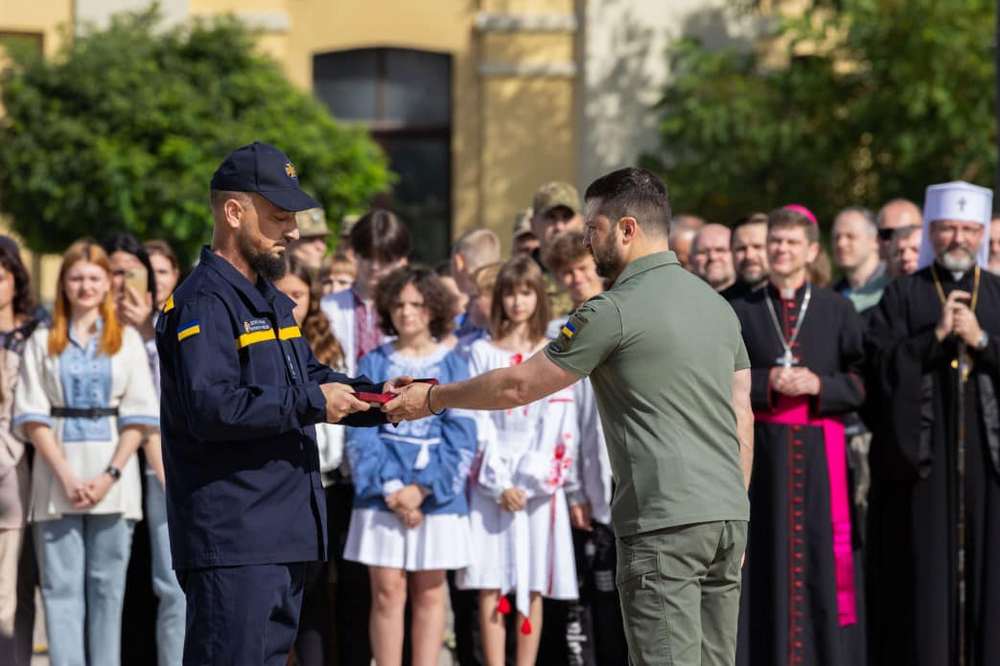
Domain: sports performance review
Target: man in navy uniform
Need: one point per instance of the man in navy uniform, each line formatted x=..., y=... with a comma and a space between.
x=241, y=392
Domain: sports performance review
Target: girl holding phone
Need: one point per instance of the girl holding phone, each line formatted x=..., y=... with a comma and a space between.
x=135, y=288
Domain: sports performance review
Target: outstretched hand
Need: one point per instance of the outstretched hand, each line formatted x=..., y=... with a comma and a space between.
x=409, y=404
x=396, y=384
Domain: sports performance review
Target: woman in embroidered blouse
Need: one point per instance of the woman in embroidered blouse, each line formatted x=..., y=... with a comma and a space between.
x=409, y=522
x=84, y=399
x=17, y=322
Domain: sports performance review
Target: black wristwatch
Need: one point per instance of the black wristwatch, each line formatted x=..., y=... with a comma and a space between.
x=113, y=472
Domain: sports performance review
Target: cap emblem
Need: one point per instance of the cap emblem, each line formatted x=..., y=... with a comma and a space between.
x=290, y=170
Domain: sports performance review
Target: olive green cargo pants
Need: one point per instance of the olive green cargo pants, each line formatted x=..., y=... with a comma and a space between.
x=680, y=593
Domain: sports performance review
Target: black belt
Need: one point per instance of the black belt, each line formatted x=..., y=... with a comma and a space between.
x=83, y=412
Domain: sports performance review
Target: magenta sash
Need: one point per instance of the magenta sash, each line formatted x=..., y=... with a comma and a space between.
x=795, y=411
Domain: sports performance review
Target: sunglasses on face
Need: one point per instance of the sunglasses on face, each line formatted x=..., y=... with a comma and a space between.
x=888, y=233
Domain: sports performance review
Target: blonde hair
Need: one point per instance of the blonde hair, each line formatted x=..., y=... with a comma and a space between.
x=111, y=337
x=486, y=277
x=479, y=247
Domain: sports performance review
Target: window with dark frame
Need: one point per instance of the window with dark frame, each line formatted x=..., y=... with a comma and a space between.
x=404, y=97
x=16, y=43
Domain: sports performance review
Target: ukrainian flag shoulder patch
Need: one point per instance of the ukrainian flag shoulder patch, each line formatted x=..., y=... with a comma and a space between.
x=187, y=330
x=568, y=329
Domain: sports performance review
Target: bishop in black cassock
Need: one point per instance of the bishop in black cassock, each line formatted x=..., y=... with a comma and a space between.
x=934, y=508
x=801, y=603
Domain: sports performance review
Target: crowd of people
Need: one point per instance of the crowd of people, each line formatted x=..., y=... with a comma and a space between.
x=876, y=477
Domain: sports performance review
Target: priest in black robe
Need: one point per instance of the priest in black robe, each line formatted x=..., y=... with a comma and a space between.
x=934, y=509
x=801, y=602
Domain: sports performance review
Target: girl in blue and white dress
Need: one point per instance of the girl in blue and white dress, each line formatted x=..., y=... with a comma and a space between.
x=410, y=518
x=521, y=537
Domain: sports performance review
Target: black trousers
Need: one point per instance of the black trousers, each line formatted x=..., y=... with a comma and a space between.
x=242, y=615
x=589, y=631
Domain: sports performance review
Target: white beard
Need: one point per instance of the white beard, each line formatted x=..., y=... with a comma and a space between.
x=957, y=261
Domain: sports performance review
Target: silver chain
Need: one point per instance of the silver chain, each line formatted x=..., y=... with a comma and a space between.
x=790, y=342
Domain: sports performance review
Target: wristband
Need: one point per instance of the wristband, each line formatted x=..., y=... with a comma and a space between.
x=429, y=408
x=113, y=472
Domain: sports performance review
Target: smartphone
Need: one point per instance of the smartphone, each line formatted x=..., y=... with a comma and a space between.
x=138, y=279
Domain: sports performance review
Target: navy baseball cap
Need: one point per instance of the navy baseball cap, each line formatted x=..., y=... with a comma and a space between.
x=262, y=168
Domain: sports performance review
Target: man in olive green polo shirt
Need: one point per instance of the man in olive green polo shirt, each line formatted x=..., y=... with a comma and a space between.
x=671, y=376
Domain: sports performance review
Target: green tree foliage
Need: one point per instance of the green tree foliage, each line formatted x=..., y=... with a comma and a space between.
x=899, y=94
x=125, y=127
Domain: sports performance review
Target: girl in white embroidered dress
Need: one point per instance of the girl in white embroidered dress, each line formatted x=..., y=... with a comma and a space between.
x=521, y=539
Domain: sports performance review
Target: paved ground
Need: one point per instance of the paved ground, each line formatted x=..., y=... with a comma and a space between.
x=43, y=659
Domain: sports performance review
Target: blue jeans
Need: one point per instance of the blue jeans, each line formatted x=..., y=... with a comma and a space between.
x=170, y=611
x=82, y=560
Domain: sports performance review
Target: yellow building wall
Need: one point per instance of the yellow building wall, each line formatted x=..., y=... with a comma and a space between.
x=45, y=18
x=512, y=129
x=510, y=133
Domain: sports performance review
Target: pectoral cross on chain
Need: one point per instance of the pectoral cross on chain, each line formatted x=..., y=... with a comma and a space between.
x=787, y=360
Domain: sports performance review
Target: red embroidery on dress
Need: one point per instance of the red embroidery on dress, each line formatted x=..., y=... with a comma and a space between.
x=503, y=606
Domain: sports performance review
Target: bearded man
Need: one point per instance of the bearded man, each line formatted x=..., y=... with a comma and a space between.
x=934, y=508
x=241, y=393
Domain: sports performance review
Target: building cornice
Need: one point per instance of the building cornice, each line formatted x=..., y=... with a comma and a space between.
x=539, y=69
x=517, y=22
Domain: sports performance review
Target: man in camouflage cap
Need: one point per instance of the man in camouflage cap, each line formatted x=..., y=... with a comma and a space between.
x=556, y=207
x=311, y=246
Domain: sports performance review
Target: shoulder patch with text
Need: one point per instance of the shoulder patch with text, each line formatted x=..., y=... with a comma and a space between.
x=255, y=325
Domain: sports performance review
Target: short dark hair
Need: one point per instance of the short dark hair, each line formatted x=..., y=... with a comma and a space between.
x=565, y=249
x=437, y=299
x=752, y=218
x=786, y=217
x=218, y=197
x=633, y=192
x=123, y=241
x=380, y=235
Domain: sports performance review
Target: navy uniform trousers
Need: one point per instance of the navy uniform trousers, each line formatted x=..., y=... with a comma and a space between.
x=242, y=615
